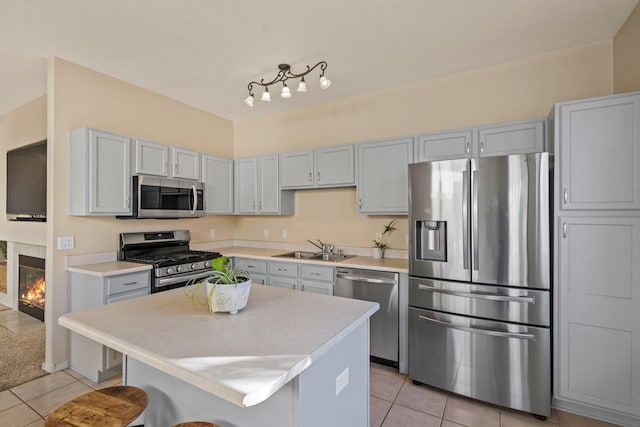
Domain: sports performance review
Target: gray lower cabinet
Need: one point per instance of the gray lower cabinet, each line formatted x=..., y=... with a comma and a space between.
x=93, y=360
x=383, y=179
x=283, y=275
x=317, y=278
x=256, y=267
x=99, y=173
x=519, y=137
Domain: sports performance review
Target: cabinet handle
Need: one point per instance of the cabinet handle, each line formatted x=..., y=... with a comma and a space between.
x=175, y=168
x=360, y=203
x=468, y=150
x=254, y=205
x=566, y=196
x=564, y=230
x=314, y=274
x=318, y=176
x=166, y=167
x=481, y=147
x=310, y=177
x=260, y=205
x=251, y=266
x=129, y=283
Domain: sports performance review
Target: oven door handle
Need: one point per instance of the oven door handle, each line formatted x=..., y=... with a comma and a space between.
x=517, y=335
x=195, y=200
x=177, y=279
x=477, y=295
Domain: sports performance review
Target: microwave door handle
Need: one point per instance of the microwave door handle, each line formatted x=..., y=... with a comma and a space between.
x=195, y=200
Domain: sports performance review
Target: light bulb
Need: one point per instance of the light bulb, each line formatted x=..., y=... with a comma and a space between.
x=286, y=93
x=266, y=96
x=302, y=86
x=248, y=101
x=324, y=82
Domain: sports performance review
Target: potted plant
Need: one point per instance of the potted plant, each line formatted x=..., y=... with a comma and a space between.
x=227, y=288
x=380, y=242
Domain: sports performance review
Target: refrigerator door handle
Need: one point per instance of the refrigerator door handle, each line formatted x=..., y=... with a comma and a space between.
x=474, y=218
x=465, y=219
x=491, y=332
x=477, y=295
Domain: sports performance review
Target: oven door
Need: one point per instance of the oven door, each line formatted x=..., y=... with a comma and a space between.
x=177, y=281
x=167, y=198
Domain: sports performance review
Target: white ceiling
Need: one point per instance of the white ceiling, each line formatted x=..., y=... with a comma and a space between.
x=205, y=52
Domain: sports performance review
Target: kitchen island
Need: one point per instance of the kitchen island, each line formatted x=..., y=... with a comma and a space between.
x=287, y=359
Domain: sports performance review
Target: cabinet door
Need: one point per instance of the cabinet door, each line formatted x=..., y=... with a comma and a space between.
x=316, y=287
x=600, y=154
x=511, y=138
x=598, y=312
x=334, y=166
x=246, y=185
x=297, y=169
x=269, y=195
x=186, y=163
x=217, y=175
x=444, y=145
x=283, y=282
x=151, y=158
x=109, y=173
x=383, y=176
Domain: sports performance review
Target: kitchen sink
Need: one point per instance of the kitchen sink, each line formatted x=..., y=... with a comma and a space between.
x=317, y=256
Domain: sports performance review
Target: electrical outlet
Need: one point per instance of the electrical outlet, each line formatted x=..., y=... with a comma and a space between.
x=213, y=232
x=266, y=233
x=285, y=233
x=66, y=243
x=378, y=236
x=342, y=380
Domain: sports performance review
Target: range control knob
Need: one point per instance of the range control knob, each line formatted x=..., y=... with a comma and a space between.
x=207, y=263
x=179, y=268
x=169, y=270
x=194, y=266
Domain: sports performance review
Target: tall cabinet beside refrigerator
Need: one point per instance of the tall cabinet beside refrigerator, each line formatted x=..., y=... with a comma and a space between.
x=480, y=278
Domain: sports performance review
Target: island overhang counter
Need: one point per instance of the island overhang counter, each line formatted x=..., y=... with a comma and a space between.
x=289, y=358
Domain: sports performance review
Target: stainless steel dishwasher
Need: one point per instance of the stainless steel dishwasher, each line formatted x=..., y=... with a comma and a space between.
x=380, y=287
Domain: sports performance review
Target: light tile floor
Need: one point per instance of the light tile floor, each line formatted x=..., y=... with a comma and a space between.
x=395, y=402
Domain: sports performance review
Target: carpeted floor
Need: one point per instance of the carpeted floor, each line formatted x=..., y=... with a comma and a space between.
x=21, y=355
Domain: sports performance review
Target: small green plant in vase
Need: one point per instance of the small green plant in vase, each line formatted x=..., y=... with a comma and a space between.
x=380, y=242
x=227, y=288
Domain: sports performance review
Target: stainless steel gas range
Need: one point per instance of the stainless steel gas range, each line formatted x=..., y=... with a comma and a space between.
x=174, y=264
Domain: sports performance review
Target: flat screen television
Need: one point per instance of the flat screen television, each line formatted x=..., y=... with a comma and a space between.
x=27, y=182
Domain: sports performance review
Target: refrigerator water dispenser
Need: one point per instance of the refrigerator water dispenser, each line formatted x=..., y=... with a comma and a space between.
x=431, y=240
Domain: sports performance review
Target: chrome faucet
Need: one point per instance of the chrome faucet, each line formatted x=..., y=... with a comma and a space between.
x=321, y=245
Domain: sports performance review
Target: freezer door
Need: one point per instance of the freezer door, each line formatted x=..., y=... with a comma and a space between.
x=439, y=219
x=518, y=305
x=510, y=239
x=502, y=363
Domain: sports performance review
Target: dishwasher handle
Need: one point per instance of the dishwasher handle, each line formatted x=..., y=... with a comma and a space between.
x=365, y=279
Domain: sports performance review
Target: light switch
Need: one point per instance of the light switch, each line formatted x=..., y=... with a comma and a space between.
x=266, y=233
x=66, y=242
x=285, y=233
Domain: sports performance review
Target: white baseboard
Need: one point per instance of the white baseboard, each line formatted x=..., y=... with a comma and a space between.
x=602, y=414
x=55, y=367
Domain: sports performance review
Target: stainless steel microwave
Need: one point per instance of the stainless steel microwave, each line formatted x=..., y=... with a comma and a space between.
x=155, y=197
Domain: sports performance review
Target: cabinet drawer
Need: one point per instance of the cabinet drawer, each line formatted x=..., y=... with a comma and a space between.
x=316, y=287
x=283, y=269
x=314, y=272
x=126, y=296
x=127, y=283
x=251, y=265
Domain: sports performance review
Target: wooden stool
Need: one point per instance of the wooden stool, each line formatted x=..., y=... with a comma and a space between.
x=111, y=406
x=195, y=424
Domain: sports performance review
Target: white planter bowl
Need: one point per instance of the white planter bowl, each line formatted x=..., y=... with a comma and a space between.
x=229, y=298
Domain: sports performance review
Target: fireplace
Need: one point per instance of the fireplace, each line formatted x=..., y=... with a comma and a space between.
x=31, y=286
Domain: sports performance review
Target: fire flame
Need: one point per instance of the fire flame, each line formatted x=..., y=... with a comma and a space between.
x=35, y=294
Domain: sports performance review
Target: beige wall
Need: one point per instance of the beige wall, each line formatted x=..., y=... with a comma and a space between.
x=82, y=97
x=626, y=55
x=23, y=126
x=518, y=90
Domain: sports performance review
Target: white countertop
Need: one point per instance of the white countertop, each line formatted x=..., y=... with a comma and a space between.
x=243, y=358
x=104, y=269
x=398, y=265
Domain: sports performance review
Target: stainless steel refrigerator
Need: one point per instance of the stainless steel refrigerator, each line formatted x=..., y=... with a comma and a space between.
x=480, y=278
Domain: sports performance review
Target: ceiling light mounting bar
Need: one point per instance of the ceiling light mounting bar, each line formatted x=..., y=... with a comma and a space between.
x=283, y=75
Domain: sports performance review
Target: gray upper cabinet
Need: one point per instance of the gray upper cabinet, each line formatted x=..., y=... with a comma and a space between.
x=99, y=173
x=257, y=189
x=599, y=153
x=383, y=179
x=217, y=175
x=527, y=136
x=323, y=167
x=154, y=158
